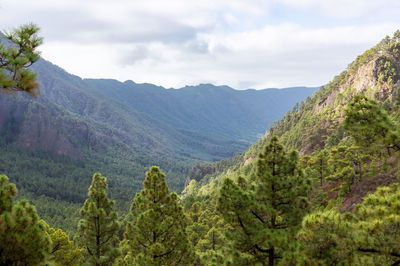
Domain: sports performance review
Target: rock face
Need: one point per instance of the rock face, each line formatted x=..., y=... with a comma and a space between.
x=363, y=81
x=368, y=80
x=316, y=123
x=33, y=127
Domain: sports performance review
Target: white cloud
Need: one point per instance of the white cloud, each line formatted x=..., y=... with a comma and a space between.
x=176, y=43
x=346, y=8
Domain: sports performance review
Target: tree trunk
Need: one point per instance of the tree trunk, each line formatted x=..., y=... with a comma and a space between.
x=271, y=257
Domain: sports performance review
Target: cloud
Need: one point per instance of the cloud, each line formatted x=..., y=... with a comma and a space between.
x=134, y=55
x=345, y=8
x=253, y=43
x=197, y=46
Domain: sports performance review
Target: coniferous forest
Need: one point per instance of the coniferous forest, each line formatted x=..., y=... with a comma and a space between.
x=319, y=188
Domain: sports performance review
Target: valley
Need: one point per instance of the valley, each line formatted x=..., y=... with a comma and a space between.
x=77, y=127
x=98, y=171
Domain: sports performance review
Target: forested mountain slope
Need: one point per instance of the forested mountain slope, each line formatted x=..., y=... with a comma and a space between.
x=335, y=202
x=51, y=145
x=316, y=124
x=214, y=111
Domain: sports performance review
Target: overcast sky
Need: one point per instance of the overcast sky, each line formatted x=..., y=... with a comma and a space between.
x=241, y=43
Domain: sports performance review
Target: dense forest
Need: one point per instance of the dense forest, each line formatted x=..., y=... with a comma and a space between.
x=335, y=201
x=53, y=143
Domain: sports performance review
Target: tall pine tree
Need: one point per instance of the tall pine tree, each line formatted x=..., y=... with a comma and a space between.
x=99, y=227
x=156, y=228
x=320, y=164
x=265, y=214
x=23, y=240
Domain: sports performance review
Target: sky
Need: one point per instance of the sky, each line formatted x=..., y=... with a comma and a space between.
x=172, y=43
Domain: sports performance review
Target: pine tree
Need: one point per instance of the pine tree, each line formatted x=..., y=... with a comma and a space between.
x=196, y=228
x=99, y=227
x=23, y=240
x=213, y=240
x=16, y=57
x=370, y=125
x=320, y=164
x=370, y=236
x=265, y=215
x=326, y=238
x=379, y=226
x=156, y=228
x=358, y=159
x=337, y=160
x=62, y=250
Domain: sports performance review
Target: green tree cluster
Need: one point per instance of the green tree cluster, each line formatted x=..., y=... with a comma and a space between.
x=264, y=215
x=98, y=230
x=24, y=240
x=62, y=251
x=156, y=226
x=369, y=124
x=370, y=236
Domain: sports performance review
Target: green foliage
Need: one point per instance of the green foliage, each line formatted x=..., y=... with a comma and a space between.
x=206, y=230
x=99, y=227
x=264, y=216
x=156, y=227
x=358, y=159
x=337, y=159
x=368, y=123
x=320, y=164
x=16, y=57
x=62, y=250
x=387, y=71
x=369, y=237
x=379, y=223
x=23, y=237
x=326, y=239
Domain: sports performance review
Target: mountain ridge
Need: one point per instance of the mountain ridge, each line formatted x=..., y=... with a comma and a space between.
x=185, y=105
x=74, y=129
x=315, y=125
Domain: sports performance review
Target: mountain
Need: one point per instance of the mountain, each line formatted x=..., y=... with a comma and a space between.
x=316, y=126
x=217, y=111
x=53, y=144
x=348, y=140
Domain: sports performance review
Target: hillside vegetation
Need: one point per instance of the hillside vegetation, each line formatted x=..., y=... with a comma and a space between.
x=317, y=123
x=347, y=135
x=52, y=144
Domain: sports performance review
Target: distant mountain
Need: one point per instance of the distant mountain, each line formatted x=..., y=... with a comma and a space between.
x=52, y=145
x=213, y=111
